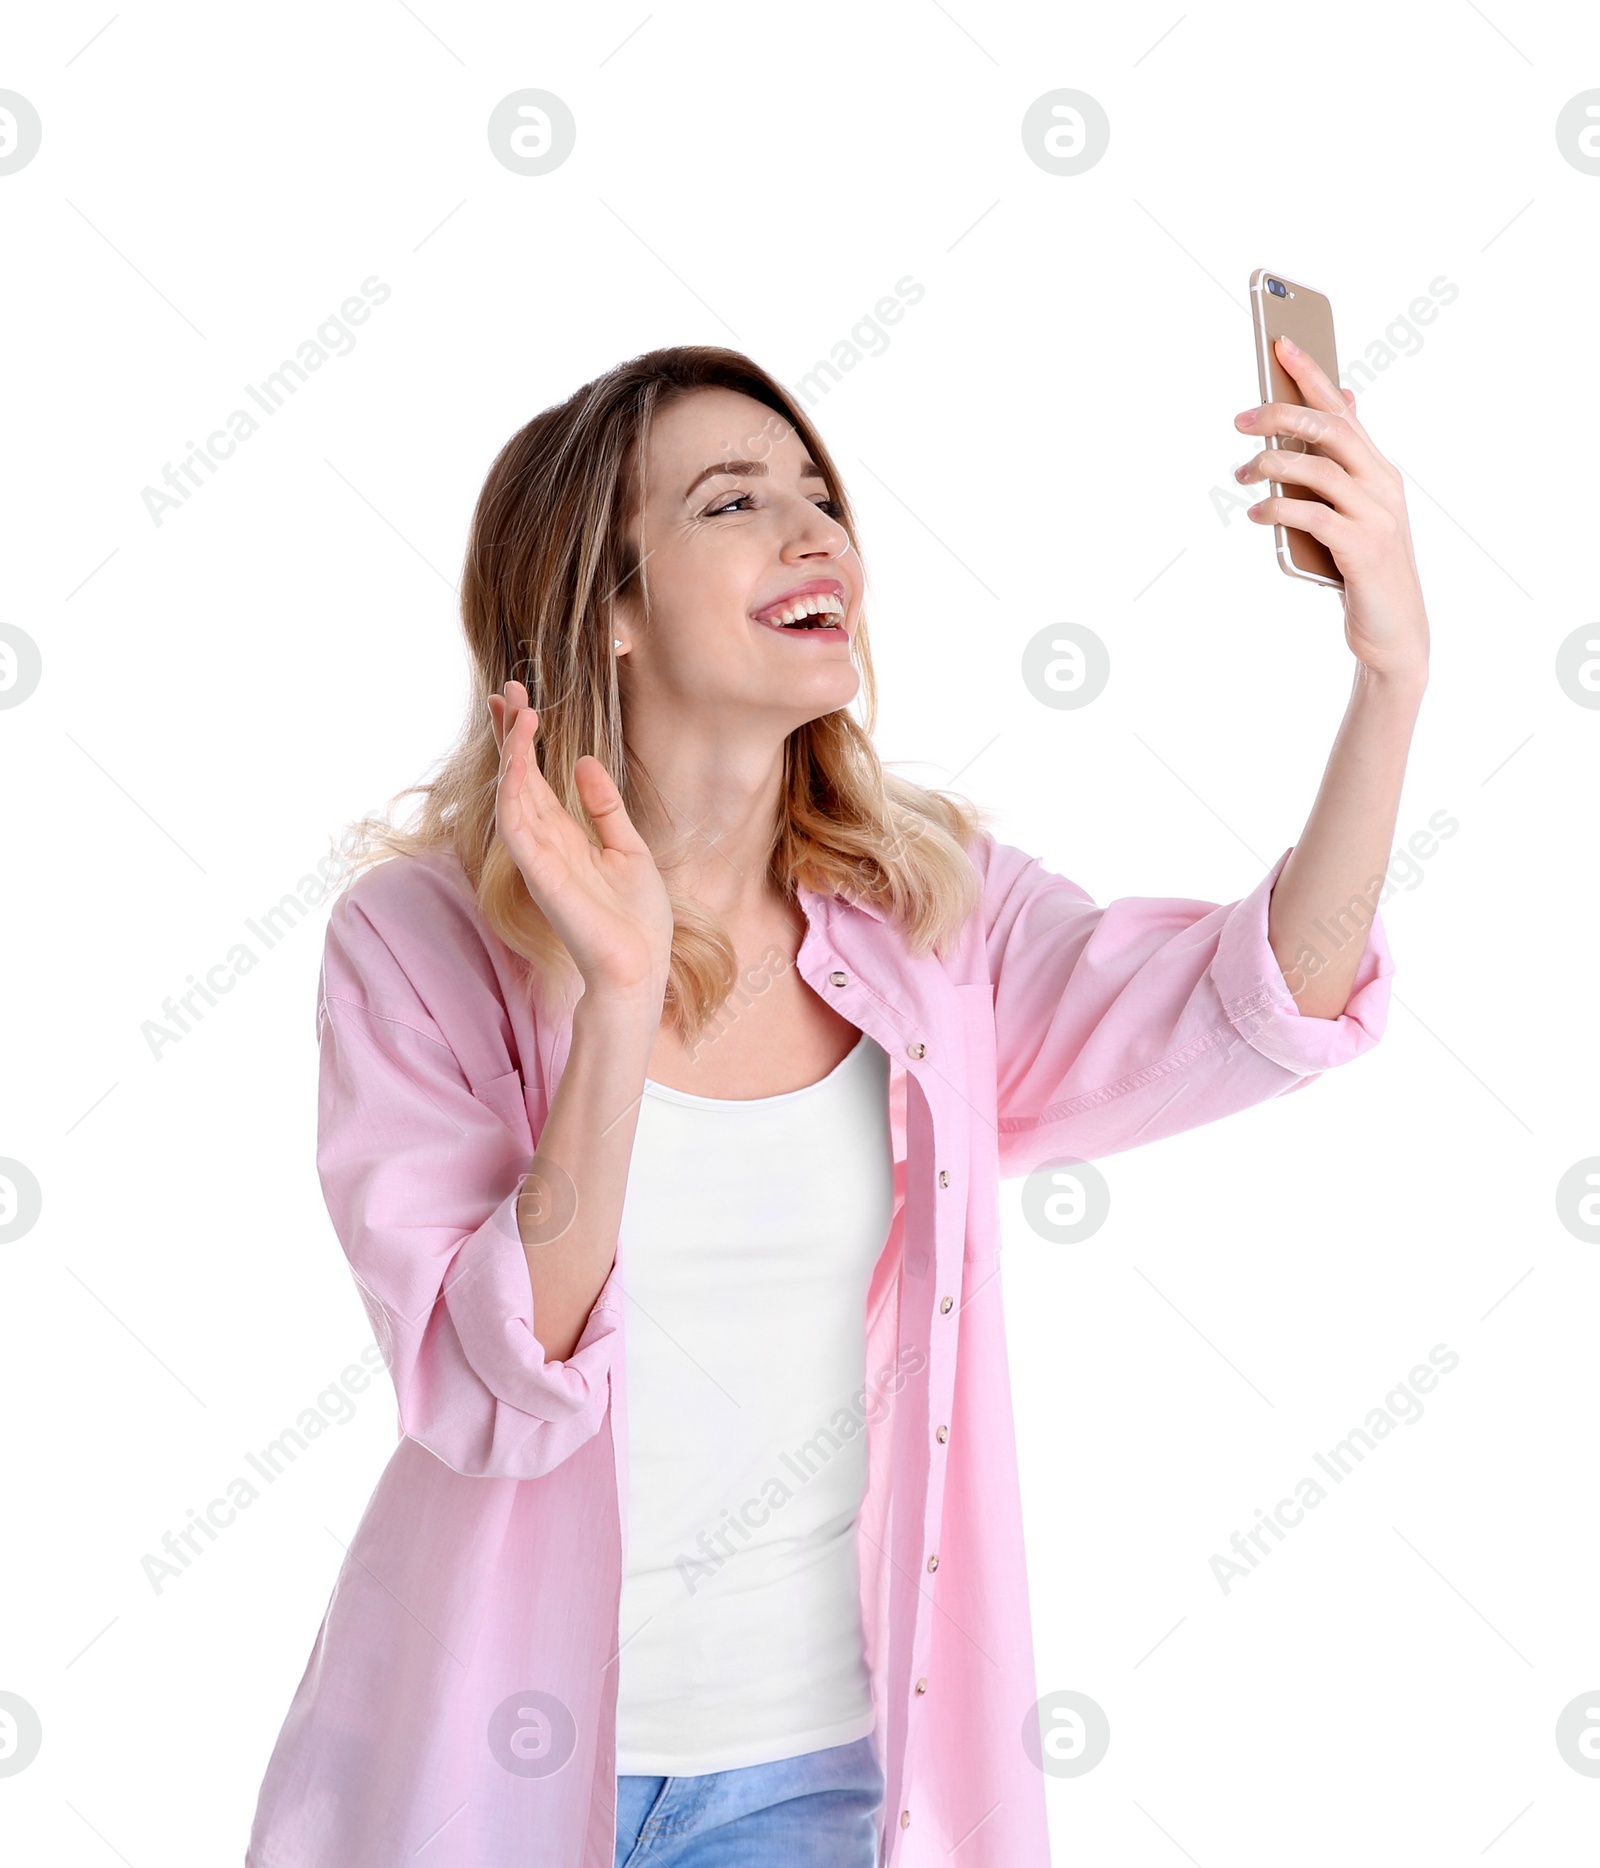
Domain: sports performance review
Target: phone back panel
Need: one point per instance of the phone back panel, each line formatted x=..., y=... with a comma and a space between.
x=1305, y=317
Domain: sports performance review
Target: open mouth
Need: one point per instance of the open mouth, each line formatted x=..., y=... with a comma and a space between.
x=818, y=613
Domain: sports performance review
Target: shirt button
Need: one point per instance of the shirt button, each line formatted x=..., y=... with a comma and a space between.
x=838, y=979
x=933, y=1561
x=944, y=1177
x=945, y=1303
x=943, y=1435
x=922, y=1686
x=905, y=1819
x=916, y=1050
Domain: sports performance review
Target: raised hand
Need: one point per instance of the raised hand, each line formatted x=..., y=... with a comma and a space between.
x=607, y=902
x=1365, y=525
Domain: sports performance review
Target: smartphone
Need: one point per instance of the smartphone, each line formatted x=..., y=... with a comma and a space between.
x=1282, y=307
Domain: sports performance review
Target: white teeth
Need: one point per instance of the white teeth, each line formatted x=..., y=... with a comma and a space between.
x=822, y=604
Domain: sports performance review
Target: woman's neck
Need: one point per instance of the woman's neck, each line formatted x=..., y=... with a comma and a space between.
x=708, y=809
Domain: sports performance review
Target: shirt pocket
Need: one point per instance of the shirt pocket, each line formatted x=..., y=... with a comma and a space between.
x=505, y=1095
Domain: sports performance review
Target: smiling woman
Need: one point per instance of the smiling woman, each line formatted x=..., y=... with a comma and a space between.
x=627, y=548
x=635, y=1263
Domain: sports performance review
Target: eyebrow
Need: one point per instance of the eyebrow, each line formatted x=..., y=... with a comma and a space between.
x=809, y=470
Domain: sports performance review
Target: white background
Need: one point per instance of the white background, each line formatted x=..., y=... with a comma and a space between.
x=1041, y=441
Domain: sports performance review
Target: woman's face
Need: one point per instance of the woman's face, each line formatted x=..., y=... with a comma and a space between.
x=737, y=521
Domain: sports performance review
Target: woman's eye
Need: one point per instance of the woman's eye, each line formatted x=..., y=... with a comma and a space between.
x=829, y=506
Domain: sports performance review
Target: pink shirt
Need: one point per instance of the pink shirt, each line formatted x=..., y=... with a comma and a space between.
x=459, y=1705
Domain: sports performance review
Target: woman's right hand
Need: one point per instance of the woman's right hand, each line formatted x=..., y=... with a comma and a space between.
x=608, y=903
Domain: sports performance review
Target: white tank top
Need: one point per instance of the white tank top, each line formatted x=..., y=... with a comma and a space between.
x=749, y=1234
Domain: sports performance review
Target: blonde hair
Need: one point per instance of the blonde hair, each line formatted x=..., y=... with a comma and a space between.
x=550, y=548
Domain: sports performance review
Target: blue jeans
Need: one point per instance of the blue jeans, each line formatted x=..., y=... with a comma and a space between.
x=819, y=1810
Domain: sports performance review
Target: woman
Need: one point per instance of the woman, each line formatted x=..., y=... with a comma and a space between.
x=666, y=1157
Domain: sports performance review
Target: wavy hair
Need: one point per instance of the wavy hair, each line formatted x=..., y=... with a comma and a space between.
x=550, y=549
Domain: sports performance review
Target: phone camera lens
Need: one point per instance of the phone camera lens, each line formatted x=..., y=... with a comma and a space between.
x=1276, y=289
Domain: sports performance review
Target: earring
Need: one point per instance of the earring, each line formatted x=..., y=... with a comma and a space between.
x=616, y=642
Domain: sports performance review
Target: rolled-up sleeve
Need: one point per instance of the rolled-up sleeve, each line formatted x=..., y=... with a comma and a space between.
x=421, y=1179
x=1118, y=1025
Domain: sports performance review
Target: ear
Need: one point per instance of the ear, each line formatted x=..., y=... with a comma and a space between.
x=622, y=620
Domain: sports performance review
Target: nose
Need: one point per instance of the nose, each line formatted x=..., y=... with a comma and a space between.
x=819, y=535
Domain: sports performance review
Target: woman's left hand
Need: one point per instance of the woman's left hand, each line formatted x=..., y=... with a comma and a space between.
x=1364, y=526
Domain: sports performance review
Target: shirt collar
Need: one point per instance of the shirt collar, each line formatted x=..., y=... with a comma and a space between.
x=811, y=900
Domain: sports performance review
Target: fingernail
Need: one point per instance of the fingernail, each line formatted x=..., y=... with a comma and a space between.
x=1246, y=418
x=1290, y=345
